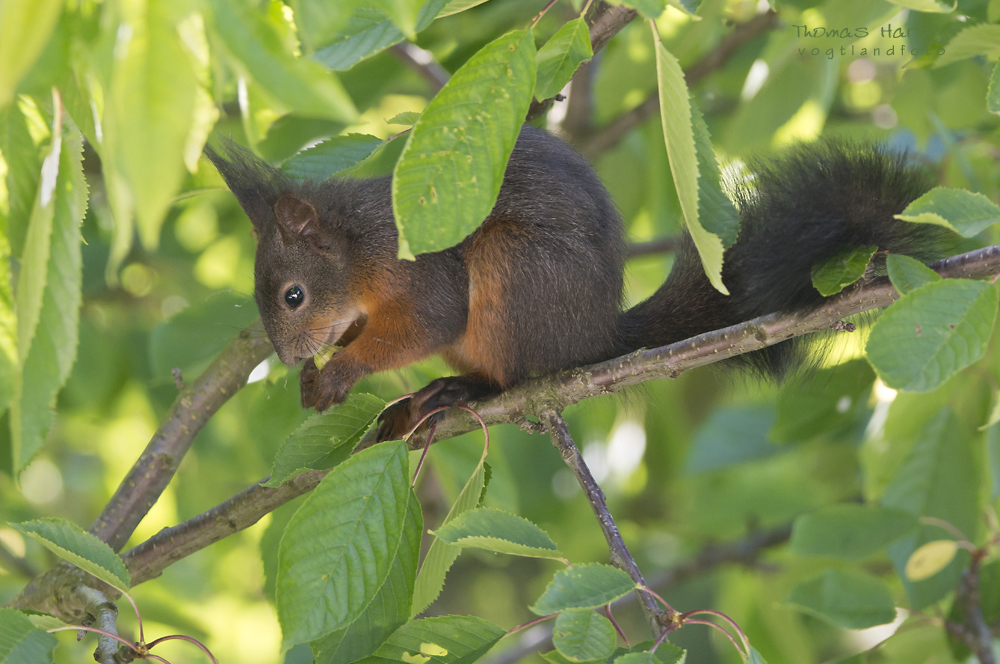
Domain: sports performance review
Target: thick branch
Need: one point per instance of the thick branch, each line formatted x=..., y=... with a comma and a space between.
x=191, y=410
x=607, y=22
x=609, y=136
x=568, y=387
x=620, y=556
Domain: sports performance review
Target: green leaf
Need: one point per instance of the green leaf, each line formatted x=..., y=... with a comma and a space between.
x=559, y=59
x=48, y=296
x=933, y=332
x=23, y=643
x=407, y=118
x=441, y=555
x=962, y=211
x=338, y=549
x=939, y=478
x=332, y=155
x=847, y=598
x=841, y=270
x=933, y=6
x=442, y=640
x=71, y=542
x=665, y=654
x=993, y=93
x=25, y=28
x=499, y=531
x=456, y=6
x=22, y=125
x=300, y=83
x=716, y=211
x=584, y=635
x=325, y=439
x=584, y=586
x=403, y=13
x=382, y=161
x=388, y=610
x=650, y=9
x=849, y=532
x=755, y=657
x=367, y=32
x=679, y=133
x=449, y=174
x=732, y=435
x=982, y=39
x=907, y=273
x=151, y=111
x=825, y=402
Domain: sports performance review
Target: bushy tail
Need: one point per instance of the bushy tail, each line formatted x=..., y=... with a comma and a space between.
x=795, y=212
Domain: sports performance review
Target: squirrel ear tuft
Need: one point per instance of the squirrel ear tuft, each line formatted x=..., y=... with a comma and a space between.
x=296, y=216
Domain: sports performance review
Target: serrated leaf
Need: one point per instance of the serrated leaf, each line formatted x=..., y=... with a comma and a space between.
x=584, y=635
x=848, y=598
x=993, y=92
x=388, y=610
x=456, y=6
x=23, y=643
x=716, y=212
x=298, y=82
x=408, y=118
x=463, y=638
x=43, y=620
x=680, y=136
x=441, y=555
x=561, y=56
x=982, y=39
x=841, y=270
x=367, y=32
x=449, y=174
x=48, y=297
x=71, y=542
x=932, y=6
x=930, y=558
x=25, y=28
x=338, y=549
x=907, y=273
x=849, y=532
x=499, y=531
x=151, y=111
x=939, y=478
x=19, y=131
x=964, y=212
x=933, y=332
x=325, y=439
x=584, y=586
x=331, y=156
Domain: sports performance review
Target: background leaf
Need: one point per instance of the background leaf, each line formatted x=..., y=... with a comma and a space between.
x=847, y=598
x=849, y=532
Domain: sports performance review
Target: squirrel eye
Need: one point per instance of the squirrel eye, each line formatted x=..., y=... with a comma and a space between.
x=294, y=296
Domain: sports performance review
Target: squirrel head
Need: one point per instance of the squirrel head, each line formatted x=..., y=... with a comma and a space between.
x=303, y=261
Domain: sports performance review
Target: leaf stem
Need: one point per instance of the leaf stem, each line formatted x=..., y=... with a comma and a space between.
x=96, y=630
x=182, y=637
x=720, y=628
x=530, y=623
x=607, y=610
x=672, y=610
x=719, y=614
x=542, y=13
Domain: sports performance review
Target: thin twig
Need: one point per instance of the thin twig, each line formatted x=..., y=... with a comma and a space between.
x=609, y=136
x=620, y=556
x=422, y=62
x=661, y=245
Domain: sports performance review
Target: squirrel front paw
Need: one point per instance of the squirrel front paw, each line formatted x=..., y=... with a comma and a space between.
x=321, y=388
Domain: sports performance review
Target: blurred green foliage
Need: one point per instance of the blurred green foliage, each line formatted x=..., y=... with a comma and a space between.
x=166, y=278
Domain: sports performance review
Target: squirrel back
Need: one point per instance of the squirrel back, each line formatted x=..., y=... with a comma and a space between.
x=796, y=211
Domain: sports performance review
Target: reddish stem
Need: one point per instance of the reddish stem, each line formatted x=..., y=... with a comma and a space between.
x=532, y=623
x=138, y=616
x=719, y=614
x=607, y=610
x=719, y=627
x=482, y=423
x=542, y=13
x=423, y=455
x=182, y=637
x=662, y=601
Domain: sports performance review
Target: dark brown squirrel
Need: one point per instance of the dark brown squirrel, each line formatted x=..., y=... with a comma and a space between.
x=538, y=286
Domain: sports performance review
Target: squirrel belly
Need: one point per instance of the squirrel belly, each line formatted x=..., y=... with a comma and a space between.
x=538, y=286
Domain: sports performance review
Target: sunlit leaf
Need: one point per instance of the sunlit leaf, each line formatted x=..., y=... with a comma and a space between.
x=933, y=332
x=25, y=27
x=449, y=174
x=325, y=439
x=962, y=211
x=331, y=156
x=499, y=531
x=70, y=542
x=560, y=57
x=930, y=558
x=338, y=549
x=982, y=39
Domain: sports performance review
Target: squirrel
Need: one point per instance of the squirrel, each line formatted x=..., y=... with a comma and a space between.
x=539, y=285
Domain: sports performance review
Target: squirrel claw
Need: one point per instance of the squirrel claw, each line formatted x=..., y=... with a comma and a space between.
x=403, y=416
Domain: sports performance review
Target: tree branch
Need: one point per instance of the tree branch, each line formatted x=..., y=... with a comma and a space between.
x=620, y=556
x=607, y=22
x=973, y=631
x=422, y=62
x=658, y=246
x=610, y=135
x=49, y=591
x=104, y=615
